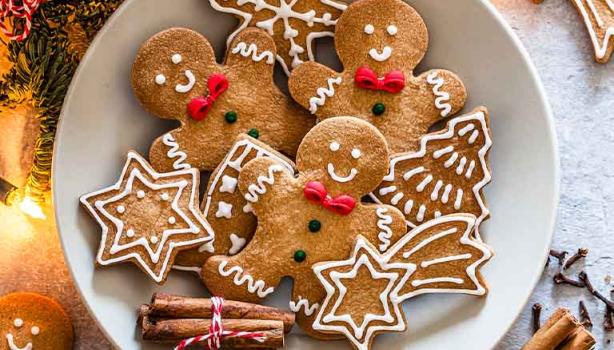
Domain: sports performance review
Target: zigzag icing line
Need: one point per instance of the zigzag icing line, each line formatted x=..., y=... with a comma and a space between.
x=322, y=93
x=253, y=286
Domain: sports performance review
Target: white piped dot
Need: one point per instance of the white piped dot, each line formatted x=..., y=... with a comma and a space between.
x=160, y=79
x=334, y=146
x=165, y=196
x=153, y=239
x=140, y=194
x=392, y=29
x=176, y=58
x=18, y=322
x=369, y=29
x=121, y=209
x=172, y=220
x=35, y=330
x=130, y=233
x=356, y=153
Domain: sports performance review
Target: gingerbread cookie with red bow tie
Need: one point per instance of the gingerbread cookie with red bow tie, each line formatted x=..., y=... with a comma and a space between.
x=380, y=43
x=175, y=76
x=312, y=217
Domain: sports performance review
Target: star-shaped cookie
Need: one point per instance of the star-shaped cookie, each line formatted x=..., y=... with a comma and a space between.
x=148, y=217
x=362, y=283
x=598, y=16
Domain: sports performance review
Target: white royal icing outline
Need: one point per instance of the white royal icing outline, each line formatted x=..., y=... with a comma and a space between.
x=283, y=12
x=442, y=98
x=478, y=117
x=303, y=304
x=323, y=93
x=389, y=294
x=381, y=56
x=253, y=286
x=174, y=152
x=601, y=49
x=252, y=50
x=154, y=256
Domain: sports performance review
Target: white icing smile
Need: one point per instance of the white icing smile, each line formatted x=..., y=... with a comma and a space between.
x=383, y=56
x=187, y=87
x=339, y=178
x=13, y=346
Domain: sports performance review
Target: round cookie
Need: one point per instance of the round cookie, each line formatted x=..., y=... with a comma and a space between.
x=33, y=322
x=380, y=43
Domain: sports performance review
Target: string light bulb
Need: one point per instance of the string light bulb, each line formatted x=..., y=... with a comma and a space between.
x=9, y=195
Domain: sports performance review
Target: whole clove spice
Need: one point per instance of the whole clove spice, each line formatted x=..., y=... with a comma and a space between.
x=559, y=255
x=585, y=317
x=537, y=311
x=584, y=278
x=581, y=253
x=559, y=278
x=608, y=323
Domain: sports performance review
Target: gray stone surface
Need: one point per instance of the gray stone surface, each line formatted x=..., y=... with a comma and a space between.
x=581, y=93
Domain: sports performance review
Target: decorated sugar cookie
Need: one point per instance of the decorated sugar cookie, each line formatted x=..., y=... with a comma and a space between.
x=293, y=24
x=446, y=175
x=175, y=76
x=364, y=293
x=310, y=218
x=31, y=321
x=225, y=208
x=598, y=16
x=148, y=217
x=380, y=42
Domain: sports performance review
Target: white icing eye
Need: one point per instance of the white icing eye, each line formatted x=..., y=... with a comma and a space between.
x=153, y=239
x=392, y=29
x=369, y=29
x=356, y=153
x=160, y=79
x=130, y=233
x=18, y=322
x=35, y=330
x=176, y=58
x=334, y=146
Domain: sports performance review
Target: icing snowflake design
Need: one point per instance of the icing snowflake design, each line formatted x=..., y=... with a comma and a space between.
x=285, y=12
x=361, y=332
x=122, y=201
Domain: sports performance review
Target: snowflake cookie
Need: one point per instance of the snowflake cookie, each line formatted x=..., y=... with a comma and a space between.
x=445, y=176
x=308, y=218
x=364, y=293
x=380, y=43
x=147, y=217
x=294, y=24
x=175, y=76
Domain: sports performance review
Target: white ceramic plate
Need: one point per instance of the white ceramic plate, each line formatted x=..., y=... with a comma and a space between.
x=101, y=121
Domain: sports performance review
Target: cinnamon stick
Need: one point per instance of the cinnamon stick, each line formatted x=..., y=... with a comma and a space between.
x=173, y=306
x=176, y=330
x=561, y=331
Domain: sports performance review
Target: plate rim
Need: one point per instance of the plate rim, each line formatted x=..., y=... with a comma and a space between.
x=534, y=76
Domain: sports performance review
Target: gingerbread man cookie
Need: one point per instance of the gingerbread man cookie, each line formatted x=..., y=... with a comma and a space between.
x=309, y=218
x=293, y=24
x=364, y=293
x=598, y=16
x=31, y=321
x=224, y=206
x=446, y=176
x=146, y=217
x=380, y=42
x=175, y=76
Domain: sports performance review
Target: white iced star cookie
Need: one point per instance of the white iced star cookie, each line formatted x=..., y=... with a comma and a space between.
x=148, y=217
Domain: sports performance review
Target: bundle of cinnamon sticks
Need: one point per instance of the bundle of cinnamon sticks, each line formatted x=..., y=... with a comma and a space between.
x=172, y=318
x=561, y=332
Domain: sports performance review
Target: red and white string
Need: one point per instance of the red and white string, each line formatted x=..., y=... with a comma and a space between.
x=18, y=9
x=217, y=332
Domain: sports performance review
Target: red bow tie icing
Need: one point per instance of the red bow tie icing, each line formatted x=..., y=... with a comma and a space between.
x=392, y=82
x=316, y=192
x=199, y=107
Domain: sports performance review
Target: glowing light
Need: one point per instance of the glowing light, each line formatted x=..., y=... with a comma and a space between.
x=31, y=208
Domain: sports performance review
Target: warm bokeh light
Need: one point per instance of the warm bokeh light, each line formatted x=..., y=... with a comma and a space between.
x=31, y=208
